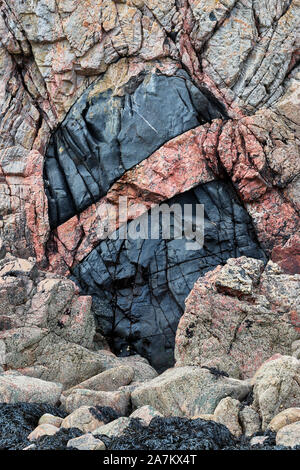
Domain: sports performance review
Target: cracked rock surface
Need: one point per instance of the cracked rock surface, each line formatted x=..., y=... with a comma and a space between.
x=139, y=286
x=105, y=135
x=239, y=315
x=147, y=99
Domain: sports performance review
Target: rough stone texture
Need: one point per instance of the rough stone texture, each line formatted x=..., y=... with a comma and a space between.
x=86, y=442
x=107, y=381
x=227, y=413
x=284, y=418
x=187, y=391
x=42, y=430
x=142, y=369
x=105, y=135
x=296, y=349
x=139, y=286
x=238, y=57
x=237, y=316
x=145, y=413
x=50, y=419
x=276, y=387
x=46, y=326
x=118, y=401
x=289, y=436
x=82, y=418
x=18, y=388
x=115, y=428
x=244, y=55
x=250, y=421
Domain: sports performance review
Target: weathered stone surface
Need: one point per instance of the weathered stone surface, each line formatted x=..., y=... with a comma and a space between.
x=227, y=413
x=296, y=349
x=249, y=420
x=42, y=430
x=107, y=381
x=47, y=328
x=276, y=387
x=83, y=419
x=119, y=401
x=52, y=52
x=18, y=388
x=145, y=413
x=284, y=418
x=139, y=285
x=289, y=436
x=242, y=56
x=119, y=132
x=174, y=168
x=86, y=442
x=187, y=391
x=50, y=419
x=258, y=440
x=237, y=317
x=115, y=428
x=142, y=369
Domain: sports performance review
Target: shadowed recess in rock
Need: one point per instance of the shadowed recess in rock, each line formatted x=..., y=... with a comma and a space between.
x=139, y=286
x=104, y=135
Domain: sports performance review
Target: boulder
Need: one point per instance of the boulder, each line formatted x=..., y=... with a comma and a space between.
x=107, y=381
x=119, y=401
x=227, y=413
x=289, y=435
x=237, y=316
x=145, y=413
x=276, y=387
x=284, y=418
x=258, y=440
x=50, y=419
x=86, y=442
x=187, y=391
x=249, y=420
x=82, y=418
x=42, y=430
x=115, y=428
x=19, y=388
x=142, y=369
x=296, y=349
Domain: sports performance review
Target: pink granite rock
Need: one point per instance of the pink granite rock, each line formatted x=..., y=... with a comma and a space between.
x=237, y=316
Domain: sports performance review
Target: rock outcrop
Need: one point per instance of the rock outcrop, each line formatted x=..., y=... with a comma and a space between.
x=239, y=315
x=159, y=101
x=47, y=328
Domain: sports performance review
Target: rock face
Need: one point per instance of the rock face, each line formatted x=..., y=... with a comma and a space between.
x=105, y=135
x=139, y=286
x=187, y=391
x=239, y=315
x=47, y=327
x=154, y=100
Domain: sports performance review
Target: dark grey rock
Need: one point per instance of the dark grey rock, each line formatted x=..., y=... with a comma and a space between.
x=139, y=286
x=103, y=136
